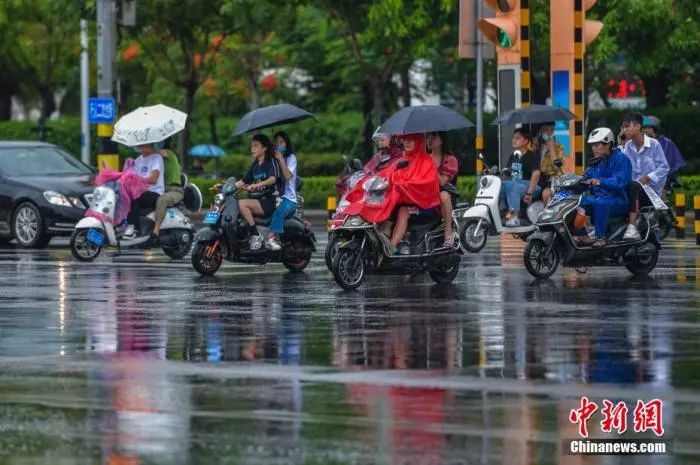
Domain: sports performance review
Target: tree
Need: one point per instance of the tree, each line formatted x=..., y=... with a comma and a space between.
x=657, y=40
x=181, y=42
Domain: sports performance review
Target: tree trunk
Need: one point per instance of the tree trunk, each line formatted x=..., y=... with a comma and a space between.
x=406, y=86
x=212, y=129
x=254, y=102
x=48, y=106
x=368, y=128
x=190, y=91
x=5, y=104
x=378, y=100
x=657, y=88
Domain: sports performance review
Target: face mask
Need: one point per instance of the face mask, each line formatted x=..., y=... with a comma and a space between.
x=545, y=137
x=136, y=150
x=282, y=149
x=158, y=145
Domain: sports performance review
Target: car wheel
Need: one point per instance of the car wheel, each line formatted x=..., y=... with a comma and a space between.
x=28, y=227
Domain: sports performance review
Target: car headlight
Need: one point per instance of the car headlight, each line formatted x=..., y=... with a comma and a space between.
x=57, y=199
x=218, y=199
x=77, y=203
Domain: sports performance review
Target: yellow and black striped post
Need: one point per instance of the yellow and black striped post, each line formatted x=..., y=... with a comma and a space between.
x=331, y=204
x=479, y=143
x=107, y=152
x=696, y=207
x=525, y=84
x=680, y=216
x=579, y=48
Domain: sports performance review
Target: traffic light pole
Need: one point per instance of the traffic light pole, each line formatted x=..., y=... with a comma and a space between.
x=479, y=142
x=106, y=50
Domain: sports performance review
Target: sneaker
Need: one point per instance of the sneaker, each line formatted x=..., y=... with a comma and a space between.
x=513, y=222
x=272, y=244
x=404, y=249
x=129, y=232
x=256, y=242
x=631, y=234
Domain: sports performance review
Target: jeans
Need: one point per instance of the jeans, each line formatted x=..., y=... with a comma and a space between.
x=284, y=211
x=600, y=209
x=147, y=201
x=514, y=192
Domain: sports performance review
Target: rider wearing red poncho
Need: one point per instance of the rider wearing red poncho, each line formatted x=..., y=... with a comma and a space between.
x=417, y=184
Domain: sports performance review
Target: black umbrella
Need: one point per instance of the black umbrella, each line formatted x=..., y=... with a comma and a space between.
x=424, y=118
x=266, y=117
x=534, y=114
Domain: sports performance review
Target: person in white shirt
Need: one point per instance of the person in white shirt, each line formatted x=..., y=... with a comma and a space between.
x=287, y=161
x=148, y=165
x=649, y=168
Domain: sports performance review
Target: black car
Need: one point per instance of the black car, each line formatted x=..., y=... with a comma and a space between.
x=44, y=191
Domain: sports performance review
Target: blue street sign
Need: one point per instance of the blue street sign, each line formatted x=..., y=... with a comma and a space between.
x=101, y=110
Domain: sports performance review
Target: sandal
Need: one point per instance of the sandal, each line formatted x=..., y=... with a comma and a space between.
x=449, y=242
x=600, y=242
x=583, y=240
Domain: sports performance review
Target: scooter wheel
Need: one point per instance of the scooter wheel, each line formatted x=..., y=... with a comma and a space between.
x=644, y=265
x=206, y=261
x=349, y=269
x=446, y=274
x=296, y=264
x=469, y=239
x=331, y=250
x=540, y=260
x=82, y=249
x=184, y=245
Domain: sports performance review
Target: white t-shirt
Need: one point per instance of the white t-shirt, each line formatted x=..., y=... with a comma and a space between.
x=144, y=166
x=290, y=185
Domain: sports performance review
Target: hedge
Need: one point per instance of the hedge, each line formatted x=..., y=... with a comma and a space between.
x=318, y=188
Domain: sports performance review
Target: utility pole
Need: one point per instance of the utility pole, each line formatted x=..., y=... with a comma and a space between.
x=479, y=141
x=84, y=92
x=106, y=50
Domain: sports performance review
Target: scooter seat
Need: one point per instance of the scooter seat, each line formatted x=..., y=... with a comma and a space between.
x=262, y=221
x=462, y=205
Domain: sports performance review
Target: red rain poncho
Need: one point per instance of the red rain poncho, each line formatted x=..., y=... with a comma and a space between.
x=417, y=185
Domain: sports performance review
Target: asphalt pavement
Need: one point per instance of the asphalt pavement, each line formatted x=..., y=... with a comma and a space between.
x=137, y=359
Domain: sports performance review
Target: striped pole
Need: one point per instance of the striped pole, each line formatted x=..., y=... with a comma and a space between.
x=579, y=47
x=331, y=204
x=107, y=154
x=680, y=216
x=479, y=142
x=696, y=207
x=525, y=84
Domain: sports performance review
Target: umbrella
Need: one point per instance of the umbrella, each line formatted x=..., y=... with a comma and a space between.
x=148, y=125
x=266, y=117
x=534, y=114
x=207, y=151
x=424, y=118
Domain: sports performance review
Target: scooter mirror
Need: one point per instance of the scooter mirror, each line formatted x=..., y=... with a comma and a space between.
x=357, y=164
x=481, y=156
x=493, y=169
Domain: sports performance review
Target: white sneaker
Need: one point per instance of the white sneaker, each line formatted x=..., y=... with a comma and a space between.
x=513, y=222
x=272, y=244
x=130, y=231
x=256, y=242
x=631, y=234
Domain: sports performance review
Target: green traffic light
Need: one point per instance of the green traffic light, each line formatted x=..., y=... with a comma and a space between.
x=503, y=39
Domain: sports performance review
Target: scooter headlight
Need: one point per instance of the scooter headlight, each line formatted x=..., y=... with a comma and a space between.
x=354, y=221
x=485, y=181
x=218, y=199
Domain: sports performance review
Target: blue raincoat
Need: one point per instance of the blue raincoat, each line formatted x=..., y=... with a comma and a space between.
x=610, y=197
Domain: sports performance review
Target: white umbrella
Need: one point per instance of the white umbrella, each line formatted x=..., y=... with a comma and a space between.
x=148, y=125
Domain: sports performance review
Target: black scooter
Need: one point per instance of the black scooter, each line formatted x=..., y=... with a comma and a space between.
x=554, y=242
x=227, y=235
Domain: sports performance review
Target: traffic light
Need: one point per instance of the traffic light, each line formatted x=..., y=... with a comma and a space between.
x=509, y=31
x=504, y=30
x=570, y=34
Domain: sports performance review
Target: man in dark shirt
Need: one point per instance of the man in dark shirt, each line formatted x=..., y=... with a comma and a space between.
x=521, y=177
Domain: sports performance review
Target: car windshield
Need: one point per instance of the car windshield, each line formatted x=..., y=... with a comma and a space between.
x=39, y=161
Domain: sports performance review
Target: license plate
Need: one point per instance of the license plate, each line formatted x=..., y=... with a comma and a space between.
x=211, y=218
x=95, y=237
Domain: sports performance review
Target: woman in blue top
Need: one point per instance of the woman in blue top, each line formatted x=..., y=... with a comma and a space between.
x=288, y=166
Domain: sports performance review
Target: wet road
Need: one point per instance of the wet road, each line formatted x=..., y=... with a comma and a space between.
x=136, y=359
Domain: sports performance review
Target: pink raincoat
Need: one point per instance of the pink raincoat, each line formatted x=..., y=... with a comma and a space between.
x=131, y=187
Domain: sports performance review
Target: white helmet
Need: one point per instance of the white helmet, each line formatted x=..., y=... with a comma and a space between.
x=604, y=135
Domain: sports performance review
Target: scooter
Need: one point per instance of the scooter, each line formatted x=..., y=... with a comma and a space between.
x=227, y=235
x=364, y=248
x=487, y=218
x=667, y=217
x=554, y=243
x=97, y=230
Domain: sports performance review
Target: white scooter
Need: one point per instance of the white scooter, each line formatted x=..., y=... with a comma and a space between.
x=486, y=218
x=97, y=229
